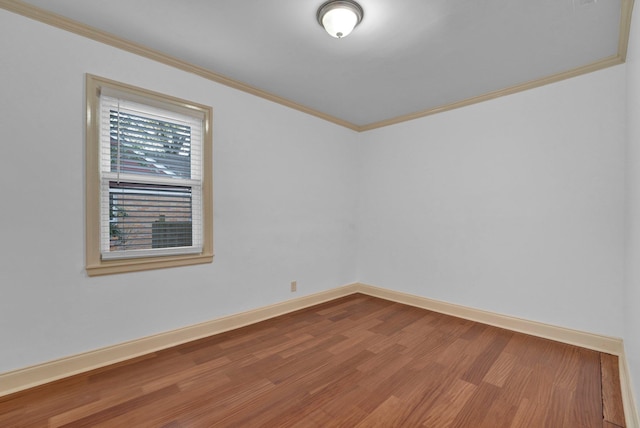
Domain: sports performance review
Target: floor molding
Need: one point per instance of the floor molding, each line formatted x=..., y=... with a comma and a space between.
x=40, y=374
x=628, y=397
x=596, y=342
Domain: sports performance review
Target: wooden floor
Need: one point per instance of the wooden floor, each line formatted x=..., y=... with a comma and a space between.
x=353, y=362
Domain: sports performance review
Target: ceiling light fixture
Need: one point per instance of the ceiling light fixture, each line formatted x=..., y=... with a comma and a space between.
x=340, y=17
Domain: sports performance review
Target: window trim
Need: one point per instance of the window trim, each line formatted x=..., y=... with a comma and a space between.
x=95, y=265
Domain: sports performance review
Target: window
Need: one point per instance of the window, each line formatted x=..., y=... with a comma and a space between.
x=149, y=180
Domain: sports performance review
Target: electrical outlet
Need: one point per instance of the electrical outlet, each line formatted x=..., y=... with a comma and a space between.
x=294, y=286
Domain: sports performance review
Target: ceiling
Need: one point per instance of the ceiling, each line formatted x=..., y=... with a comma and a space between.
x=407, y=59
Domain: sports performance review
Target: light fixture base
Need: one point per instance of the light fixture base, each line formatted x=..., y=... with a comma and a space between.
x=339, y=17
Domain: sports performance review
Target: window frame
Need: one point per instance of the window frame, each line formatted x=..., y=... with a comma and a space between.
x=95, y=265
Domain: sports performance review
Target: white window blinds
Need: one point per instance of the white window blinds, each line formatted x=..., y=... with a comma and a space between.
x=151, y=179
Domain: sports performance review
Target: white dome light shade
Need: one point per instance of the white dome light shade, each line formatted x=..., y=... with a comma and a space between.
x=339, y=22
x=339, y=18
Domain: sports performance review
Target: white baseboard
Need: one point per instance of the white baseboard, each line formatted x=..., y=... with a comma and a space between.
x=628, y=397
x=40, y=374
x=610, y=345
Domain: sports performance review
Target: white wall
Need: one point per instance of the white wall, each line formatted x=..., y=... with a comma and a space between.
x=515, y=205
x=632, y=297
x=284, y=190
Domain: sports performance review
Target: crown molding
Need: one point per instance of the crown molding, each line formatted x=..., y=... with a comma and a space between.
x=599, y=65
x=70, y=25
x=626, y=12
x=55, y=20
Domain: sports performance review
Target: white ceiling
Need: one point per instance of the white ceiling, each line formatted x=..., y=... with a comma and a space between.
x=406, y=58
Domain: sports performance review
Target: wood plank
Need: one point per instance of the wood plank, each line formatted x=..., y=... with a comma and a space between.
x=611, y=392
x=445, y=409
x=588, y=410
x=529, y=414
